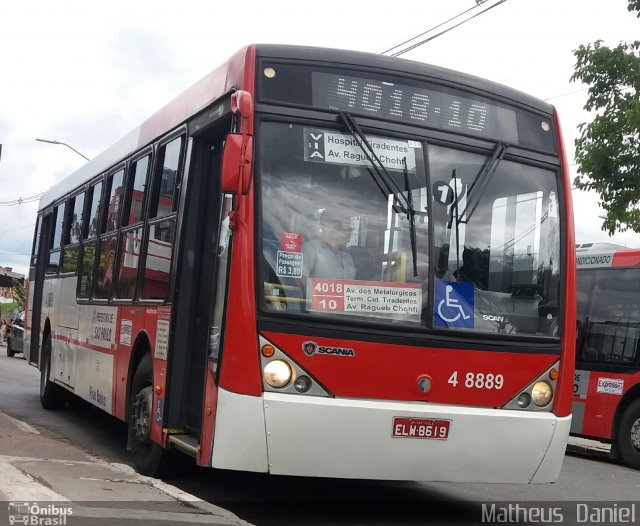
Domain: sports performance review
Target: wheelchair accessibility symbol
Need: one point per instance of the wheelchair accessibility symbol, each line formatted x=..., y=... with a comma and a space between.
x=454, y=304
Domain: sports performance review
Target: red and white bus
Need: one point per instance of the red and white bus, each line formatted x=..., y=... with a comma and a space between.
x=606, y=391
x=322, y=263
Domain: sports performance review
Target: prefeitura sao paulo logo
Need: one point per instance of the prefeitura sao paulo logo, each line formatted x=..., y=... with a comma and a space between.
x=34, y=514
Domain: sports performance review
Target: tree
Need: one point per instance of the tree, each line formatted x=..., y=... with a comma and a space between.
x=20, y=295
x=607, y=151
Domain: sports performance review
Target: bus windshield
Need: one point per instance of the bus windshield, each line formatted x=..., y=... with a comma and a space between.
x=336, y=238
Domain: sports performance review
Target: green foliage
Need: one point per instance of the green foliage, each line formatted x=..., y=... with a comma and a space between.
x=607, y=150
x=7, y=309
x=20, y=294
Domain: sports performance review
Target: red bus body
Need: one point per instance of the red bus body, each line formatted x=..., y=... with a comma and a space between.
x=420, y=401
x=606, y=403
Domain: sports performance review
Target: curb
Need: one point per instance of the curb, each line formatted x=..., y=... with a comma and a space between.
x=589, y=448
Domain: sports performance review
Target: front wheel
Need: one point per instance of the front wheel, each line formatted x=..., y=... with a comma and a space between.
x=52, y=396
x=148, y=456
x=10, y=352
x=628, y=440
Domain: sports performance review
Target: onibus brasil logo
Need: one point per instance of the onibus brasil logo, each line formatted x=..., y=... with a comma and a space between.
x=34, y=514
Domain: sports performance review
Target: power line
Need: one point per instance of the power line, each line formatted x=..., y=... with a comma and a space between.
x=418, y=44
x=565, y=94
x=31, y=225
x=22, y=200
x=431, y=29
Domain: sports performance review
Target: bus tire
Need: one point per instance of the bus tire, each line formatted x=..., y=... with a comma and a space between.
x=148, y=456
x=52, y=396
x=628, y=440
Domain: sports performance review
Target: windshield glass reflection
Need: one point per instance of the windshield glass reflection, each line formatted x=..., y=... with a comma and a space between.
x=334, y=244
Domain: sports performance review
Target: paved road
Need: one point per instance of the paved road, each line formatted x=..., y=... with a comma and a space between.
x=272, y=500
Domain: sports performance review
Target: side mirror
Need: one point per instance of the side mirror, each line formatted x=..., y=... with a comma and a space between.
x=242, y=103
x=237, y=161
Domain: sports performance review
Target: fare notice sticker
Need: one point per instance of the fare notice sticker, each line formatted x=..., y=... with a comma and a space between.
x=393, y=300
x=289, y=264
x=291, y=242
x=162, y=333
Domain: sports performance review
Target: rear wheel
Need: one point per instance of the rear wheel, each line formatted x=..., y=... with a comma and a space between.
x=148, y=456
x=628, y=440
x=52, y=396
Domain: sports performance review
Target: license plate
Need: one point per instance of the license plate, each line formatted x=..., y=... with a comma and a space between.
x=420, y=428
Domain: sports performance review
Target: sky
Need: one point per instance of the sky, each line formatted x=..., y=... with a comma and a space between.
x=87, y=73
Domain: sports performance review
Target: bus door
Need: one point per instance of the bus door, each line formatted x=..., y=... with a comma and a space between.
x=200, y=300
x=36, y=277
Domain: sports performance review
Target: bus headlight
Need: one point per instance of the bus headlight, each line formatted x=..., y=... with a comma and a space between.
x=541, y=394
x=277, y=373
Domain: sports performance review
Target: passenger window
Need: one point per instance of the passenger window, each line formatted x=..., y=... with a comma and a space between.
x=128, y=269
x=94, y=211
x=115, y=200
x=75, y=222
x=86, y=276
x=158, y=260
x=106, y=262
x=70, y=259
x=36, y=242
x=137, y=188
x=165, y=196
x=611, y=331
x=57, y=235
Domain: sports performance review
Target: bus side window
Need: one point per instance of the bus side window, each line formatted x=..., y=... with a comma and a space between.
x=108, y=241
x=167, y=181
x=72, y=233
x=90, y=228
x=160, y=232
x=56, y=244
x=613, y=325
x=35, y=249
x=157, y=267
x=132, y=231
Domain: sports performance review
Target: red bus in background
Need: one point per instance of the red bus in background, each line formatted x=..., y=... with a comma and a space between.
x=606, y=402
x=323, y=263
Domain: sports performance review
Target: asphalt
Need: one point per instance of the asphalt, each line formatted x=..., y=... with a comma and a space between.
x=43, y=476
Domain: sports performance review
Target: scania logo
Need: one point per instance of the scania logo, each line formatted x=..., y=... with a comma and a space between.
x=311, y=348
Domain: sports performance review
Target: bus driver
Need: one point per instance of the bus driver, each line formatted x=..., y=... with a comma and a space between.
x=326, y=256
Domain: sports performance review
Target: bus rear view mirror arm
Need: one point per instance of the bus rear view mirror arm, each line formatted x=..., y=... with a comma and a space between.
x=236, y=170
x=237, y=160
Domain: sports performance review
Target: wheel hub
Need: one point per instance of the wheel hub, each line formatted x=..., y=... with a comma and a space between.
x=142, y=414
x=635, y=434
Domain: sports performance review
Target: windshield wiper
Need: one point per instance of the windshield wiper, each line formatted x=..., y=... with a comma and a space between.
x=382, y=178
x=474, y=193
x=479, y=184
x=385, y=182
